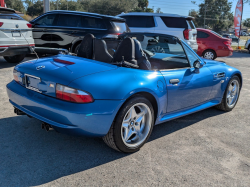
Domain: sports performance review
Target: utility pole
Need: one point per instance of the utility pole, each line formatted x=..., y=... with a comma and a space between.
x=205, y=16
x=46, y=6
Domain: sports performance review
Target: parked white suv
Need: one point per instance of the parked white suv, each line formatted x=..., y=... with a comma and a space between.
x=16, y=39
x=247, y=45
x=172, y=24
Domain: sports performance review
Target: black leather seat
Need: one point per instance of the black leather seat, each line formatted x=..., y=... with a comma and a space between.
x=101, y=52
x=140, y=56
x=126, y=49
x=86, y=48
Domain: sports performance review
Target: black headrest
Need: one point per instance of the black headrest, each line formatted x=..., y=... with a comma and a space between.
x=141, y=57
x=126, y=49
x=101, y=52
x=86, y=48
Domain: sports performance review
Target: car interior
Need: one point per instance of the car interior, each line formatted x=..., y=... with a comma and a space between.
x=136, y=51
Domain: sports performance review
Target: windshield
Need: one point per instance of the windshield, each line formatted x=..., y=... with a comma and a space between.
x=10, y=16
x=120, y=27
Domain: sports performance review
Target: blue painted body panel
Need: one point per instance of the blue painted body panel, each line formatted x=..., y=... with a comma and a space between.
x=110, y=87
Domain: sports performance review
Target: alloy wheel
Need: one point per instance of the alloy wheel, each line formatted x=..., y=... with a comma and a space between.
x=136, y=125
x=232, y=93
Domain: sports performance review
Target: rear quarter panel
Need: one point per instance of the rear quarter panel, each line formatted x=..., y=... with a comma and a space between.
x=122, y=83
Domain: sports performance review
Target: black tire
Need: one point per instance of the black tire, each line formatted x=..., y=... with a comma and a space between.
x=223, y=105
x=249, y=49
x=114, y=137
x=77, y=48
x=209, y=50
x=14, y=59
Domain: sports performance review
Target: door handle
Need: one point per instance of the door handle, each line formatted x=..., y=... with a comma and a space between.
x=174, y=81
x=73, y=32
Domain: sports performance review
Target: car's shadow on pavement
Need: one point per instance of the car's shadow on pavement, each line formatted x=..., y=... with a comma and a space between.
x=31, y=156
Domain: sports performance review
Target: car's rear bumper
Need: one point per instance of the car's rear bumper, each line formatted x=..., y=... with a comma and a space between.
x=93, y=119
x=224, y=52
x=15, y=50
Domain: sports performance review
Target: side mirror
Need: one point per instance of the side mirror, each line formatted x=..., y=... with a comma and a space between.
x=197, y=64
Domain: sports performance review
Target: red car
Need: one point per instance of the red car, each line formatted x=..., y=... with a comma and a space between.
x=212, y=45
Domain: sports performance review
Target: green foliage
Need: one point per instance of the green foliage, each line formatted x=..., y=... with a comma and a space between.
x=246, y=22
x=35, y=8
x=15, y=4
x=108, y=7
x=218, y=14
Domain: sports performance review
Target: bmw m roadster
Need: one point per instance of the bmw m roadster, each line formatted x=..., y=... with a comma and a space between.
x=118, y=89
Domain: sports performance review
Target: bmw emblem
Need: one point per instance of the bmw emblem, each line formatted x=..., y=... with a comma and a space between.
x=40, y=67
x=17, y=25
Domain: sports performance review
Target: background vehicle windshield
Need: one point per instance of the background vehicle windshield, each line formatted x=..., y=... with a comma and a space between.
x=121, y=27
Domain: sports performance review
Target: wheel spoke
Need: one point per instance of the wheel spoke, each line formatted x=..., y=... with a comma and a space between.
x=230, y=99
x=131, y=114
x=128, y=135
x=140, y=116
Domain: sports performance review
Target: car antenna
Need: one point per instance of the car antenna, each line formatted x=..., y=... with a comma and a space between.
x=29, y=45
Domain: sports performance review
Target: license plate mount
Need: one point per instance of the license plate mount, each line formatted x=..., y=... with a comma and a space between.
x=16, y=34
x=31, y=82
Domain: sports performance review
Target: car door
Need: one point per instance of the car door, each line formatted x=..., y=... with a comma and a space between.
x=65, y=30
x=42, y=28
x=186, y=87
x=203, y=41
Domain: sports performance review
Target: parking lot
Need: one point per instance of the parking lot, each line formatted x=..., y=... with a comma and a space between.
x=208, y=148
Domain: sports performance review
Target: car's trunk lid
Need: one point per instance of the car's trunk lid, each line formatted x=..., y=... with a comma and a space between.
x=42, y=75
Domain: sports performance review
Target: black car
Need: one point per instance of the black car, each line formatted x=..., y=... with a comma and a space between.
x=231, y=36
x=66, y=29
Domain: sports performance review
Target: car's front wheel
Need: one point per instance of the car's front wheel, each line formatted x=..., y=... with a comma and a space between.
x=14, y=59
x=249, y=49
x=132, y=126
x=231, y=95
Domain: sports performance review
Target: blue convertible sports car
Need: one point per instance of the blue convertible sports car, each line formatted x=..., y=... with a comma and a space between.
x=119, y=89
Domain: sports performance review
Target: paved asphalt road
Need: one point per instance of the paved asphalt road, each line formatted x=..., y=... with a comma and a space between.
x=209, y=148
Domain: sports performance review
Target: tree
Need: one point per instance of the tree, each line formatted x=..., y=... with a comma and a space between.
x=108, y=7
x=16, y=5
x=195, y=14
x=158, y=10
x=215, y=14
x=35, y=8
x=246, y=22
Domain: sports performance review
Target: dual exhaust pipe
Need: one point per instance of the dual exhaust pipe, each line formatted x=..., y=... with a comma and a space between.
x=45, y=126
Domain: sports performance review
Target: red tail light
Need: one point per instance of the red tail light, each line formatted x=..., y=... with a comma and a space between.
x=227, y=43
x=1, y=23
x=72, y=95
x=29, y=25
x=186, y=33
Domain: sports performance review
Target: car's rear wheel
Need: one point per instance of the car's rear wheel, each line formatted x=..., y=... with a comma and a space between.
x=132, y=126
x=209, y=54
x=231, y=95
x=14, y=59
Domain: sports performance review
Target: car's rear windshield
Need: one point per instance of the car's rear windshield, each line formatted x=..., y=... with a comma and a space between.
x=10, y=16
x=120, y=27
x=217, y=34
x=174, y=22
